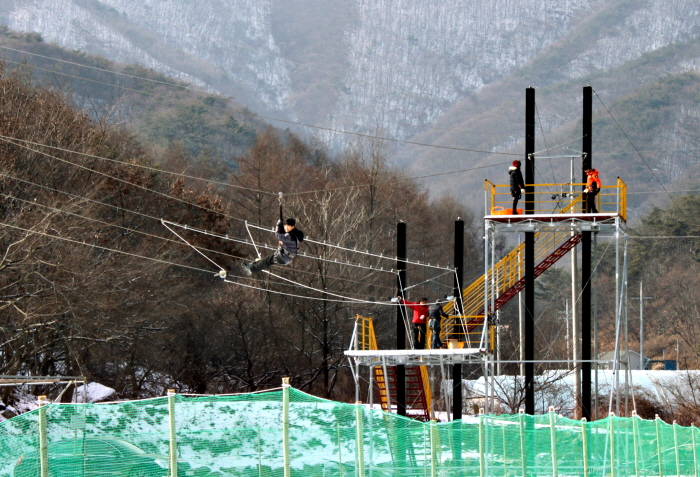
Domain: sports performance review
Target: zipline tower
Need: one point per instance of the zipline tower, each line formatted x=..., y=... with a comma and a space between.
x=555, y=221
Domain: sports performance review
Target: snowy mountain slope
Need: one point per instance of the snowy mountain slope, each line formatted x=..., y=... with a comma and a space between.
x=394, y=67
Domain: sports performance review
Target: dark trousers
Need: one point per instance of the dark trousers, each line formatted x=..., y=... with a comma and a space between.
x=436, y=338
x=590, y=203
x=516, y=197
x=419, y=335
x=265, y=263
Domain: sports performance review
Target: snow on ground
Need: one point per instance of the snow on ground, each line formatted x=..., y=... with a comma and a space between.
x=229, y=433
x=93, y=392
x=654, y=383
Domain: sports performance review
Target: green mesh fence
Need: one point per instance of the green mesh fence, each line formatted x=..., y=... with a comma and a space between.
x=289, y=433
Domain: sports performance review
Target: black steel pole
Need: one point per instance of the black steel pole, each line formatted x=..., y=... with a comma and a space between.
x=400, y=326
x=458, y=284
x=586, y=263
x=530, y=252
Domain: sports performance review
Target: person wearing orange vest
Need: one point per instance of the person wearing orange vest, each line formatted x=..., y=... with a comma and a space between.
x=592, y=188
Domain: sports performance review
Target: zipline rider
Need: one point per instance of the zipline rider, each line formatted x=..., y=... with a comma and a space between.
x=289, y=238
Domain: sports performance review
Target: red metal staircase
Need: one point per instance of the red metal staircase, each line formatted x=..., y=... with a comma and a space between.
x=416, y=397
x=418, y=393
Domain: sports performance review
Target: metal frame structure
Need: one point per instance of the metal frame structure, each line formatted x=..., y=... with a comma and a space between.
x=571, y=220
x=15, y=380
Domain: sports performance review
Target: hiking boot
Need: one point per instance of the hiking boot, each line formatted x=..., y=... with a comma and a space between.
x=246, y=269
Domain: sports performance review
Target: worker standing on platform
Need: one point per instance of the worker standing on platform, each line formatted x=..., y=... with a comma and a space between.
x=436, y=313
x=420, y=313
x=593, y=185
x=517, y=184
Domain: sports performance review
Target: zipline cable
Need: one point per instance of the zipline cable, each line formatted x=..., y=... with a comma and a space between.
x=267, y=247
x=150, y=235
x=635, y=148
x=304, y=297
x=222, y=272
x=326, y=292
x=9, y=140
x=139, y=186
x=202, y=90
x=296, y=123
x=128, y=229
x=225, y=237
x=67, y=239
x=361, y=252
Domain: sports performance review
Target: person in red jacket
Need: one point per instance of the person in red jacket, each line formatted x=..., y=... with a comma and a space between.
x=592, y=188
x=420, y=315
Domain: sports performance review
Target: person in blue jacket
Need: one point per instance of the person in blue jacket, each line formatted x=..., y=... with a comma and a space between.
x=289, y=238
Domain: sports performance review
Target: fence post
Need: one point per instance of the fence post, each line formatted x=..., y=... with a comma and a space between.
x=523, y=457
x=695, y=450
x=611, y=435
x=584, y=439
x=360, y=438
x=285, y=427
x=635, y=437
x=433, y=448
x=505, y=450
x=553, y=441
x=482, y=464
x=173, y=433
x=43, y=438
x=675, y=447
x=658, y=444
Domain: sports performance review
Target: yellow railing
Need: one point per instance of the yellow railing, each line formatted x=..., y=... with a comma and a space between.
x=511, y=268
x=455, y=328
x=366, y=339
x=559, y=198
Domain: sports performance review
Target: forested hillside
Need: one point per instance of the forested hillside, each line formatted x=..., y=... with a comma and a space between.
x=160, y=109
x=93, y=285
x=446, y=74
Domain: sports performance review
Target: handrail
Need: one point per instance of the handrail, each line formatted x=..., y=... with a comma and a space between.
x=510, y=269
x=367, y=340
x=611, y=199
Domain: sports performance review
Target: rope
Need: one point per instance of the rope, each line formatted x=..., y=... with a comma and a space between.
x=103, y=248
x=251, y=239
x=404, y=315
x=123, y=180
x=362, y=252
x=60, y=211
x=9, y=139
x=302, y=296
x=635, y=148
x=544, y=139
x=222, y=272
x=301, y=254
x=430, y=280
x=367, y=302
x=171, y=263
x=269, y=118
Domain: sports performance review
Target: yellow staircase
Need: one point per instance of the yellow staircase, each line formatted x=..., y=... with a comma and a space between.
x=418, y=395
x=504, y=281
